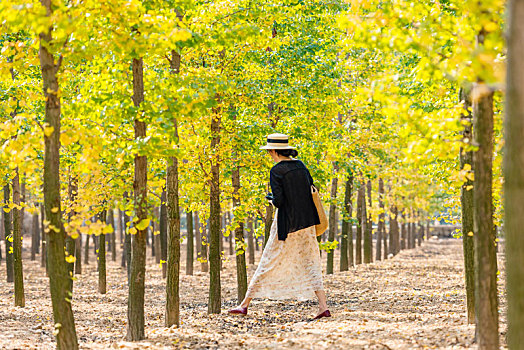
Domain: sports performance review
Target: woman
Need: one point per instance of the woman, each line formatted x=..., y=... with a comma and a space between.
x=290, y=265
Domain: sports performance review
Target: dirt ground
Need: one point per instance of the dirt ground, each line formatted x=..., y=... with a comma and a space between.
x=415, y=300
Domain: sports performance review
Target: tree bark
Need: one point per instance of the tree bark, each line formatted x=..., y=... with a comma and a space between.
x=204, y=243
x=513, y=169
x=394, y=244
x=484, y=238
x=466, y=199
x=78, y=255
x=190, y=243
x=198, y=236
x=346, y=241
x=267, y=223
x=251, y=240
x=86, y=251
x=111, y=219
x=381, y=228
x=403, y=231
x=214, y=304
x=163, y=232
x=332, y=223
x=102, y=285
x=239, y=238
x=360, y=223
x=17, y=244
x=8, y=236
x=55, y=236
x=43, y=256
x=368, y=241
x=69, y=241
x=135, y=311
x=173, y=224
x=34, y=236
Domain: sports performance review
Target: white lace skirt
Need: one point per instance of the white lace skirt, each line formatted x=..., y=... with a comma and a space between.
x=289, y=269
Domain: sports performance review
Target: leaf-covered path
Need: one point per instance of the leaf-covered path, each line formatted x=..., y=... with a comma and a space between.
x=415, y=300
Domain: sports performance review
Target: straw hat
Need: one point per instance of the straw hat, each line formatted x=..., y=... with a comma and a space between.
x=277, y=141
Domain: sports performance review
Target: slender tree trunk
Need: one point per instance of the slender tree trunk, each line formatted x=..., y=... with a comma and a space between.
x=251, y=240
x=43, y=256
x=346, y=242
x=55, y=236
x=360, y=223
x=127, y=244
x=381, y=228
x=231, y=238
x=78, y=255
x=135, y=310
x=466, y=198
x=239, y=238
x=332, y=223
x=34, y=237
x=198, y=237
x=2, y=231
x=111, y=219
x=190, y=243
x=513, y=170
x=17, y=244
x=484, y=238
x=163, y=232
x=102, y=285
x=120, y=228
x=368, y=240
x=204, y=242
x=214, y=304
x=8, y=236
x=403, y=231
x=267, y=223
x=86, y=251
x=394, y=244
x=72, y=189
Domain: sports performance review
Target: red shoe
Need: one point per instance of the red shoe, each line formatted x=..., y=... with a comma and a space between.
x=238, y=311
x=323, y=314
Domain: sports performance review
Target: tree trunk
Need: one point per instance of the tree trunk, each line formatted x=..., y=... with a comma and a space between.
x=17, y=244
x=78, y=255
x=346, y=242
x=403, y=231
x=34, y=237
x=102, y=286
x=484, y=238
x=239, y=238
x=394, y=244
x=251, y=240
x=8, y=236
x=513, y=169
x=466, y=199
x=198, y=236
x=381, y=228
x=135, y=310
x=43, y=256
x=204, y=242
x=332, y=223
x=190, y=243
x=72, y=189
x=126, y=253
x=111, y=219
x=267, y=223
x=173, y=224
x=214, y=304
x=360, y=223
x=55, y=236
x=86, y=251
x=163, y=232
x=120, y=228
x=368, y=241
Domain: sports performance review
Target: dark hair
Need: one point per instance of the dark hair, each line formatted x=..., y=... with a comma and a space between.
x=287, y=152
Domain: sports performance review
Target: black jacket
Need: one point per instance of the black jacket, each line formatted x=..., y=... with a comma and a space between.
x=291, y=186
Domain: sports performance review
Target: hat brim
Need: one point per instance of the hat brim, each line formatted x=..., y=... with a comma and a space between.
x=276, y=147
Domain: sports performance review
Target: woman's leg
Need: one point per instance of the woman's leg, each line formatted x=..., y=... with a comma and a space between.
x=245, y=302
x=322, y=301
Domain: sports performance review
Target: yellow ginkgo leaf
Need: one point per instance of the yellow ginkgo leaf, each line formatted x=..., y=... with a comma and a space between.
x=48, y=130
x=132, y=231
x=54, y=210
x=70, y=259
x=143, y=224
